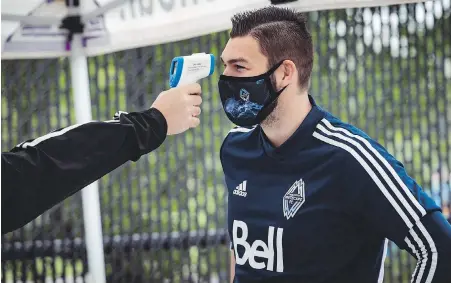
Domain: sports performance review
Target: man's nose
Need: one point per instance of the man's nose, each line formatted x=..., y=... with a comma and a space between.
x=227, y=71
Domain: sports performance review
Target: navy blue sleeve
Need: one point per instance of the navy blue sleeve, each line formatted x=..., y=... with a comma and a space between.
x=392, y=201
x=395, y=206
x=434, y=254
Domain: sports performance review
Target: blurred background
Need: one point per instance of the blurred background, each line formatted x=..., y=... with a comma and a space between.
x=386, y=70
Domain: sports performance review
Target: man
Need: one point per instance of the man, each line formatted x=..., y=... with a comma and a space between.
x=311, y=199
x=38, y=174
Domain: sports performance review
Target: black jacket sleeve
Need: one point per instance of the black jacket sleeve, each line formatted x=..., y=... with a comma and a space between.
x=429, y=241
x=397, y=208
x=40, y=173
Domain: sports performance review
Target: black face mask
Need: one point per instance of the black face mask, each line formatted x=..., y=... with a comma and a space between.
x=247, y=101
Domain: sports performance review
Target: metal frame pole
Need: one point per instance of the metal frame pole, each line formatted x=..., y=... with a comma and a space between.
x=90, y=194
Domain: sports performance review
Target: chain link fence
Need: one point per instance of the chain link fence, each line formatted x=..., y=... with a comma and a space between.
x=386, y=70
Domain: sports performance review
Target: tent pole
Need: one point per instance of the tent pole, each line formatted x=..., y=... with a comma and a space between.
x=90, y=194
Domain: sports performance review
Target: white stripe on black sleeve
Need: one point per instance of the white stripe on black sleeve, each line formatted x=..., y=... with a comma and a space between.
x=50, y=135
x=422, y=255
x=384, y=255
x=424, y=249
x=56, y=134
x=414, y=249
x=432, y=251
x=388, y=168
x=370, y=172
x=407, y=207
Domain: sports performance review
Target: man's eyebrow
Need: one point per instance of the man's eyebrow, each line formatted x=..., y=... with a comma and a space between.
x=235, y=60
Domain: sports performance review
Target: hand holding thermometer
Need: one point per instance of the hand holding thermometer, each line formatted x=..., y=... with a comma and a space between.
x=190, y=69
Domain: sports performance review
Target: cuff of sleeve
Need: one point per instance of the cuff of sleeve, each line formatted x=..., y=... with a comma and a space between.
x=150, y=130
x=161, y=120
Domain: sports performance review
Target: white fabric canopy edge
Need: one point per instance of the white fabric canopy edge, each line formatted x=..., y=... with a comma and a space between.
x=183, y=24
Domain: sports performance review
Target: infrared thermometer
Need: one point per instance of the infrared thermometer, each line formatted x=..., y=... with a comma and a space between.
x=190, y=69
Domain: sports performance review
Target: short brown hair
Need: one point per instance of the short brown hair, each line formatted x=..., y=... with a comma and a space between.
x=282, y=34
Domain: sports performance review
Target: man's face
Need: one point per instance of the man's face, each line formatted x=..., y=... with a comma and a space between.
x=242, y=58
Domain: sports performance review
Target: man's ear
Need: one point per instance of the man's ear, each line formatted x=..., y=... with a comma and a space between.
x=288, y=69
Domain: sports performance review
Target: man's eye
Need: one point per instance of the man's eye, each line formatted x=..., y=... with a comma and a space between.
x=238, y=67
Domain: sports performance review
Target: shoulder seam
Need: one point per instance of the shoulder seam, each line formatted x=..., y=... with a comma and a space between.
x=236, y=129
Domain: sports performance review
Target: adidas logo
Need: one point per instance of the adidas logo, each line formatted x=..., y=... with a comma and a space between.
x=241, y=189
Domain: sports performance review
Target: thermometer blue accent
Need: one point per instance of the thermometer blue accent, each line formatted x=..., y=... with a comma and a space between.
x=176, y=71
x=212, y=64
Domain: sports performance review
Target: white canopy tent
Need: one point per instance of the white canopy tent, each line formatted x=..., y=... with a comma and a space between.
x=42, y=29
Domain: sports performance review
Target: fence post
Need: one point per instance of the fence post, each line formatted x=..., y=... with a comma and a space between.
x=90, y=194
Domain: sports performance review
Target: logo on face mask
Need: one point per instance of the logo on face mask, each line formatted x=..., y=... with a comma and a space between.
x=244, y=94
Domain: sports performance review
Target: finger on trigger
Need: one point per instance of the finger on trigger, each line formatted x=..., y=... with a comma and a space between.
x=194, y=88
x=196, y=100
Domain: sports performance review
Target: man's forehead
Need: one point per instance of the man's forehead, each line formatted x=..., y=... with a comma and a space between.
x=241, y=49
x=233, y=59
